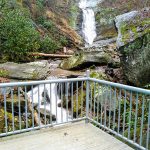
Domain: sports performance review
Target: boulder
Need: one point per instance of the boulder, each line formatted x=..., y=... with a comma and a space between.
x=26, y=71
x=134, y=44
x=82, y=60
x=46, y=112
x=96, y=55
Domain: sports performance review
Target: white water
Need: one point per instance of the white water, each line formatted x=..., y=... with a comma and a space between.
x=88, y=24
x=54, y=101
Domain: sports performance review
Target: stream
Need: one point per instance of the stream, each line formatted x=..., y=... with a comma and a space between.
x=49, y=102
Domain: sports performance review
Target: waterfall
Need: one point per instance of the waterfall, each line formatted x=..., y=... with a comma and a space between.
x=88, y=24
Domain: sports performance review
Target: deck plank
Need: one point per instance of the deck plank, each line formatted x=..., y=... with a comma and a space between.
x=75, y=136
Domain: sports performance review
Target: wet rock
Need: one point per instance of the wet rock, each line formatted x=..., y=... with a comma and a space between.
x=45, y=112
x=26, y=71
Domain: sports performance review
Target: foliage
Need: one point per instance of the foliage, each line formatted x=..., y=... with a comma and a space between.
x=48, y=44
x=18, y=35
x=22, y=30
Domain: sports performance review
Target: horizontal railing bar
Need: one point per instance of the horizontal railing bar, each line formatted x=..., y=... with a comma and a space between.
x=127, y=87
x=118, y=135
x=41, y=82
x=122, y=86
x=40, y=127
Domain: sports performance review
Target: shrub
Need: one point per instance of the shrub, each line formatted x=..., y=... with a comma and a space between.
x=49, y=45
x=17, y=34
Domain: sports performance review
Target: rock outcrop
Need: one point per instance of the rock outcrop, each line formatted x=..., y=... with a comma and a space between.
x=26, y=71
x=97, y=56
x=134, y=43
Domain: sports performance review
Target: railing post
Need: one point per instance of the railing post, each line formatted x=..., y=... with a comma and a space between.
x=87, y=96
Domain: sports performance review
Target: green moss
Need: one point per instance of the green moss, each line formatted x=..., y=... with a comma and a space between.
x=77, y=105
x=140, y=43
x=98, y=75
x=9, y=122
x=130, y=30
x=106, y=15
x=4, y=73
x=72, y=61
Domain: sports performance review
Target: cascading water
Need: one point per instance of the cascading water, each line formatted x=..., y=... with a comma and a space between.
x=88, y=25
x=51, y=105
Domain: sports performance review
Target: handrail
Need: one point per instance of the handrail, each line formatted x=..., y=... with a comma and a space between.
x=121, y=86
x=11, y=84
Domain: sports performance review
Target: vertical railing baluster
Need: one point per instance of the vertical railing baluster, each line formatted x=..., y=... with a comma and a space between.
x=94, y=97
x=61, y=103
x=130, y=115
x=32, y=107
x=148, y=127
x=91, y=99
x=39, y=104
x=110, y=97
x=124, y=113
x=119, y=111
x=26, y=107
x=19, y=108
x=56, y=98
x=142, y=119
x=77, y=99
x=5, y=109
x=51, y=103
x=102, y=104
x=44, y=105
x=98, y=102
x=72, y=100
x=67, y=101
x=105, y=99
x=114, y=116
x=87, y=96
x=12, y=105
x=82, y=99
x=135, y=122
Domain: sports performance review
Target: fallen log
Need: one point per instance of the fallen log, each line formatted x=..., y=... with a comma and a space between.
x=50, y=55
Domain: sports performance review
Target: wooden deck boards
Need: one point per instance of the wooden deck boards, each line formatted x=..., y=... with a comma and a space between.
x=75, y=136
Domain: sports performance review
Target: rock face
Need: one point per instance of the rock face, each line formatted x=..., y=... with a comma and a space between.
x=134, y=43
x=26, y=71
x=94, y=56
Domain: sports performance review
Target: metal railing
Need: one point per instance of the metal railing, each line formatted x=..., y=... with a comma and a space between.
x=122, y=110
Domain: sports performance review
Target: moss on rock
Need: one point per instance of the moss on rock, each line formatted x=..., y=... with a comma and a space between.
x=134, y=44
x=81, y=60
